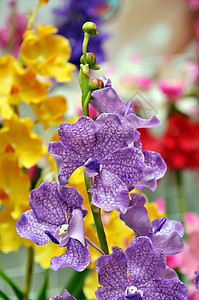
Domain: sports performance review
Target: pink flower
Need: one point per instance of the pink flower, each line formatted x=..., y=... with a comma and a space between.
x=172, y=90
x=21, y=23
x=142, y=82
x=194, y=4
x=193, y=293
x=188, y=260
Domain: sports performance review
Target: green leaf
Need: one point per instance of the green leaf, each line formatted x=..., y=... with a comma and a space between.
x=3, y=296
x=74, y=286
x=42, y=293
x=15, y=288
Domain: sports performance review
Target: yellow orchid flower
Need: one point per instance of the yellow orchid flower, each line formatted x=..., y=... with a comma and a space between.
x=18, y=84
x=50, y=110
x=14, y=187
x=18, y=141
x=14, y=194
x=47, y=54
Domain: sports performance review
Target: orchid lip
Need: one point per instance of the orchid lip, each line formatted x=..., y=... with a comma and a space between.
x=133, y=293
x=92, y=167
x=159, y=227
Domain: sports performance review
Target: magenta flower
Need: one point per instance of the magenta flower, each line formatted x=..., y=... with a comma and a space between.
x=101, y=146
x=139, y=273
x=172, y=90
x=46, y=222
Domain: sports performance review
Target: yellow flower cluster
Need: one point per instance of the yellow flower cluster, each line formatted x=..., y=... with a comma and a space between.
x=43, y=57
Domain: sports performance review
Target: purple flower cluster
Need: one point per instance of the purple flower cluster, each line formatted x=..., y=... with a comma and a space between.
x=110, y=151
x=71, y=15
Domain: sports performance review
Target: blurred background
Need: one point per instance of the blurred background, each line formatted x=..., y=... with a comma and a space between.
x=149, y=50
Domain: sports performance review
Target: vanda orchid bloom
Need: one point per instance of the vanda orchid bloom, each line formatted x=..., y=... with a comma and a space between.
x=101, y=146
x=139, y=273
x=46, y=222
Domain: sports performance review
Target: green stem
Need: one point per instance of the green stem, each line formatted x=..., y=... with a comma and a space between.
x=85, y=45
x=98, y=221
x=180, y=194
x=29, y=269
x=85, y=111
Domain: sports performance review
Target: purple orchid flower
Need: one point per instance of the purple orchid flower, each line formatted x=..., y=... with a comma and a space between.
x=46, y=222
x=165, y=234
x=65, y=296
x=137, y=274
x=101, y=146
x=106, y=100
x=196, y=280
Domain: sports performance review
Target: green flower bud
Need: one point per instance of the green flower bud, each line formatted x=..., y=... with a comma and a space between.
x=91, y=60
x=90, y=28
x=95, y=84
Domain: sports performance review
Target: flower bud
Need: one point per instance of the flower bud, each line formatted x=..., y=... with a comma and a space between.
x=90, y=28
x=91, y=60
x=95, y=84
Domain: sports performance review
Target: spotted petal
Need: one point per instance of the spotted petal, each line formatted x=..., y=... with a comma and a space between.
x=144, y=263
x=111, y=135
x=76, y=257
x=127, y=164
x=107, y=293
x=73, y=201
x=29, y=227
x=66, y=160
x=48, y=204
x=112, y=269
x=109, y=192
x=161, y=288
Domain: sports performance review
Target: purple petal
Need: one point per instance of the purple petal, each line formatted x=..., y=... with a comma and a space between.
x=79, y=137
x=148, y=179
x=108, y=293
x=109, y=192
x=112, y=269
x=48, y=204
x=137, y=199
x=171, y=245
x=106, y=100
x=168, y=227
x=73, y=200
x=161, y=288
x=169, y=237
x=155, y=161
x=66, y=159
x=127, y=164
x=76, y=257
x=76, y=227
x=196, y=280
x=137, y=219
x=111, y=135
x=169, y=273
x=29, y=227
x=137, y=122
x=144, y=263
x=65, y=296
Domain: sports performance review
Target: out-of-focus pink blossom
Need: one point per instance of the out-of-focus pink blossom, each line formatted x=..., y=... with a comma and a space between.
x=142, y=82
x=5, y=36
x=188, y=260
x=193, y=293
x=92, y=112
x=173, y=90
x=194, y=4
